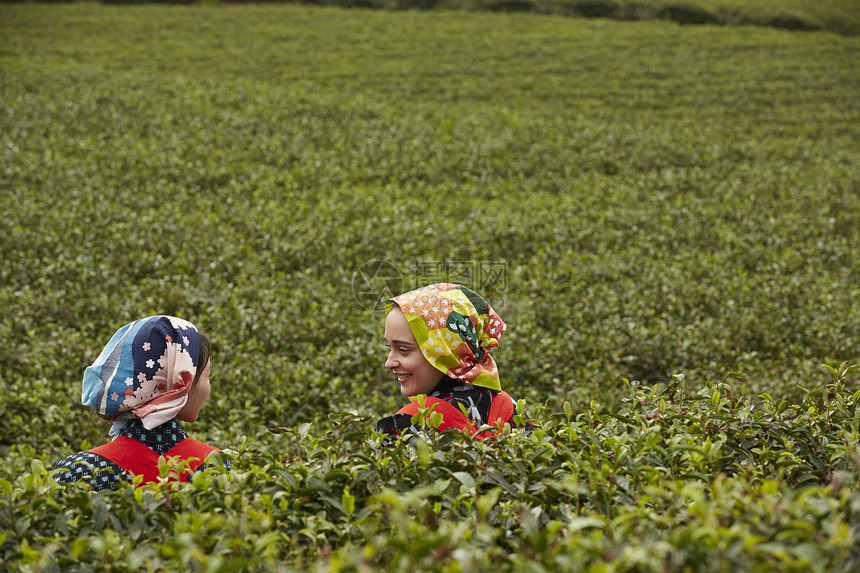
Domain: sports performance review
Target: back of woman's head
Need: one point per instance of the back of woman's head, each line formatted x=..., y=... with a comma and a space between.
x=146, y=370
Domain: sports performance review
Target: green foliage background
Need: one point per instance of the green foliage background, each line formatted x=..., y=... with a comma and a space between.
x=666, y=199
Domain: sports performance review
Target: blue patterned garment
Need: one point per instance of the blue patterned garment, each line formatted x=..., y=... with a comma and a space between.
x=102, y=473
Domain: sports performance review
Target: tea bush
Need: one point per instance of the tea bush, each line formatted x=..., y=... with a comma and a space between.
x=660, y=199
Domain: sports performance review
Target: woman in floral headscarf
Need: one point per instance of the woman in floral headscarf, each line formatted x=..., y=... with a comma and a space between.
x=440, y=337
x=153, y=373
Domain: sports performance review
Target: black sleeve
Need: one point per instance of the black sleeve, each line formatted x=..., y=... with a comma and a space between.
x=394, y=425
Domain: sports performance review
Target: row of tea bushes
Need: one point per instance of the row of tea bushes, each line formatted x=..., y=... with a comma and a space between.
x=694, y=481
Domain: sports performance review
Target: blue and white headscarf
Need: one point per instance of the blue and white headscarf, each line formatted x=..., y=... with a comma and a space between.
x=145, y=372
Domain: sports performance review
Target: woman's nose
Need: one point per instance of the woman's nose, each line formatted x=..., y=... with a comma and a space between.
x=390, y=362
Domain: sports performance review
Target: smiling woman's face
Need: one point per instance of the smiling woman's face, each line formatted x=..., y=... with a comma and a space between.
x=414, y=373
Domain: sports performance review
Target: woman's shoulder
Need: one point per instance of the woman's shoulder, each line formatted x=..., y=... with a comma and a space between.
x=100, y=472
x=394, y=424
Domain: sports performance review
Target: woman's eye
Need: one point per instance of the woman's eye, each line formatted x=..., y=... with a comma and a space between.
x=400, y=349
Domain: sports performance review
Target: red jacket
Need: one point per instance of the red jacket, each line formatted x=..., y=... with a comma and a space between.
x=501, y=413
x=137, y=459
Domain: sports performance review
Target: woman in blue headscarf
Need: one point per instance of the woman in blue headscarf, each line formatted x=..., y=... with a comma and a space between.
x=153, y=373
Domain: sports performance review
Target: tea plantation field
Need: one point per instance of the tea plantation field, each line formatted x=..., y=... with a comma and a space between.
x=666, y=216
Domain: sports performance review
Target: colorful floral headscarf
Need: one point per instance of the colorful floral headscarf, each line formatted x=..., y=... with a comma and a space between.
x=455, y=329
x=145, y=372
